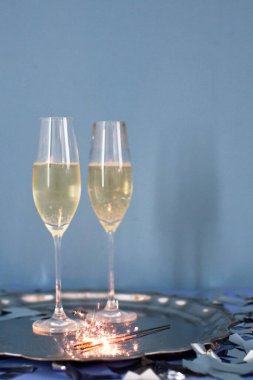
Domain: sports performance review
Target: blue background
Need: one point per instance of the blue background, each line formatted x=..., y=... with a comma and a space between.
x=180, y=73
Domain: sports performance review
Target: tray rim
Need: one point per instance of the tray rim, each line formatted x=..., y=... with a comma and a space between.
x=231, y=321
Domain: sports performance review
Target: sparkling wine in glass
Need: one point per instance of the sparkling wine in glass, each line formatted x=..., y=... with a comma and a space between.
x=110, y=190
x=56, y=193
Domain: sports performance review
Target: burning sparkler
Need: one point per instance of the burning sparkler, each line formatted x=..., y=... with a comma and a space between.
x=97, y=339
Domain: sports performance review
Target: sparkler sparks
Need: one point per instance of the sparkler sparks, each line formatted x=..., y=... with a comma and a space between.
x=97, y=339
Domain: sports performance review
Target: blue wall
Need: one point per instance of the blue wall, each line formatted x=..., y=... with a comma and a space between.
x=180, y=73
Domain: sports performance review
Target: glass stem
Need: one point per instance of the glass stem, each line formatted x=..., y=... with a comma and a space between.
x=58, y=311
x=112, y=303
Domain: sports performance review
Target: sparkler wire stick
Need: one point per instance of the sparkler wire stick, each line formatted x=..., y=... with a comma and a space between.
x=121, y=338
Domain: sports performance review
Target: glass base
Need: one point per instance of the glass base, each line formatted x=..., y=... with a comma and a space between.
x=54, y=326
x=112, y=316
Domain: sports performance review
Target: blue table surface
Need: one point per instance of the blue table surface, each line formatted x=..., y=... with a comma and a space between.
x=99, y=371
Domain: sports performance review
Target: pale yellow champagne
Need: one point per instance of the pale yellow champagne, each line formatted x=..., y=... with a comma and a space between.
x=56, y=193
x=110, y=190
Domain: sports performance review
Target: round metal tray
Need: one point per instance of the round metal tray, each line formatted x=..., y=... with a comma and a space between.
x=191, y=319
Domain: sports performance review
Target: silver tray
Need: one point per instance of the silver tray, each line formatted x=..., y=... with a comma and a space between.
x=191, y=320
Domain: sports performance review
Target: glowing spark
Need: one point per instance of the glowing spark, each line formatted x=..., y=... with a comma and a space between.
x=97, y=339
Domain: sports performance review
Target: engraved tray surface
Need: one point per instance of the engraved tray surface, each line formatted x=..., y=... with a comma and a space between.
x=191, y=320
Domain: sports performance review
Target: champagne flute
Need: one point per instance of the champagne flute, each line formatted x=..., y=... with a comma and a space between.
x=56, y=193
x=110, y=189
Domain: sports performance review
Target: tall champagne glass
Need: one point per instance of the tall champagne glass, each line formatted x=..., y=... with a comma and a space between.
x=110, y=189
x=56, y=193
